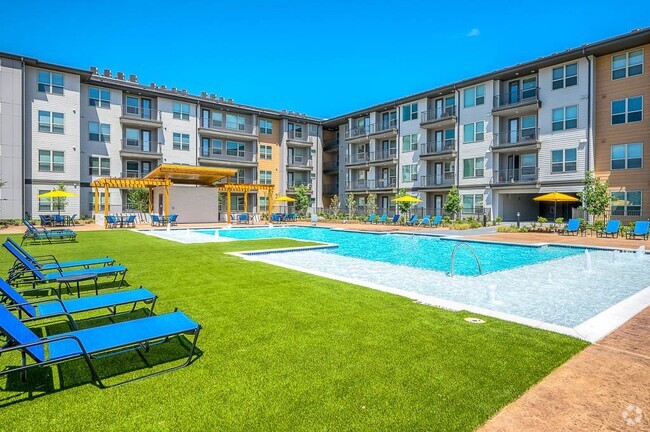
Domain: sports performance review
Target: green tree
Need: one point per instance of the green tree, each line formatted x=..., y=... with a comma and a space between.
x=352, y=205
x=303, y=197
x=452, y=204
x=371, y=204
x=59, y=204
x=404, y=207
x=335, y=205
x=595, y=197
x=138, y=199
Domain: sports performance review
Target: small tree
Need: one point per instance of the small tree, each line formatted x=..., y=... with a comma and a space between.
x=404, y=207
x=335, y=205
x=303, y=197
x=60, y=203
x=371, y=203
x=138, y=199
x=595, y=197
x=452, y=204
x=352, y=205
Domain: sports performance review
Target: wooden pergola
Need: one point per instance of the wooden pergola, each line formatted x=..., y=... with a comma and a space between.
x=246, y=188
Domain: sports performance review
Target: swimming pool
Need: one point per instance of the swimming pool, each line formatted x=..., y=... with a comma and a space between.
x=427, y=252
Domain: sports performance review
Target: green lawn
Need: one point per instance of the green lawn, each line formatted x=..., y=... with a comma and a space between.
x=281, y=350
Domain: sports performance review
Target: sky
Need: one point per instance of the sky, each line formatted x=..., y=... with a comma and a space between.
x=322, y=58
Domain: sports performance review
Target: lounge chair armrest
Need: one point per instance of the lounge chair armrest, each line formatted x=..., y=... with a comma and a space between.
x=45, y=341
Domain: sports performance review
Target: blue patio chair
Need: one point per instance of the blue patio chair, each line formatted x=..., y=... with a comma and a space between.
x=130, y=221
x=73, y=220
x=35, y=275
x=242, y=218
x=412, y=221
x=426, y=220
x=112, y=221
x=641, y=229
x=573, y=227
x=59, y=220
x=173, y=219
x=41, y=234
x=292, y=217
x=437, y=221
x=155, y=220
x=371, y=218
x=49, y=308
x=45, y=220
x=382, y=219
x=90, y=343
x=395, y=219
x=612, y=228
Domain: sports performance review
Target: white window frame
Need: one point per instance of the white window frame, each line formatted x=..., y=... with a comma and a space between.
x=563, y=80
x=266, y=152
x=266, y=126
x=626, y=212
x=101, y=136
x=50, y=125
x=49, y=87
x=413, y=111
x=564, y=161
x=100, y=170
x=181, y=141
x=626, y=158
x=178, y=110
x=475, y=101
x=410, y=173
x=627, y=66
x=51, y=161
x=475, y=168
x=412, y=145
x=475, y=132
x=564, y=118
x=627, y=111
x=101, y=102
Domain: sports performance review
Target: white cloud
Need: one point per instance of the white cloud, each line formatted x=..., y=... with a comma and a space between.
x=473, y=32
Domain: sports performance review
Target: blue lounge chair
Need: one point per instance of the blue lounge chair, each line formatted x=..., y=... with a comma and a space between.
x=90, y=343
x=437, y=221
x=371, y=218
x=641, y=229
x=155, y=220
x=243, y=218
x=426, y=220
x=612, y=228
x=49, y=262
x=382, y=219
x=41, y=234
x=173, y=219
x=412, y=221
x=277, y=217
x=34, y=275
x=573, y=227
x=52, y=308
x=395, y=219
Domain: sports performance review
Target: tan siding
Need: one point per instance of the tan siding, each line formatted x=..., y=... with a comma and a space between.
x=273, y=164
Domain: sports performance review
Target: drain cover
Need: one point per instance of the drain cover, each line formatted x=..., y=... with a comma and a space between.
x=475, y=320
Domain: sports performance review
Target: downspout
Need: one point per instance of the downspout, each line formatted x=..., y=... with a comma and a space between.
x=587, y=150
x=457, y=173
x=24, y=139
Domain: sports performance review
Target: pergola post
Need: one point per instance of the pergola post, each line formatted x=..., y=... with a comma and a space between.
x=96, y=199
x=167, y=200
x=268, y=202
x=228, y=205
x=150, y=199
x=246, y=202
x=106, y=204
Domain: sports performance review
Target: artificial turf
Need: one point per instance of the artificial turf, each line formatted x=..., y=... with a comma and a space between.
x=280, y=350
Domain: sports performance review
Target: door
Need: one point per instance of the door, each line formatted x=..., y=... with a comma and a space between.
x=513, y=92
x=385, y=121
x=528, y=167
x=146, y=140
x=160, y=204
x=438, y=141
x=438, y=108
x=146, y=168
x=384, y=204
x=513, y=168
x=385, y=177
x=513, y=130
x=146, y=108
x=437, y=203
x=205, y=118
x=290, y=180
x=437, y=170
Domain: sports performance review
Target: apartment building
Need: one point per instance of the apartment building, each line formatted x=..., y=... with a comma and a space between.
x=502, y=138
x=67, y=126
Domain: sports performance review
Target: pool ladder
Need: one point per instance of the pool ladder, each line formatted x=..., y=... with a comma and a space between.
x=453, y=257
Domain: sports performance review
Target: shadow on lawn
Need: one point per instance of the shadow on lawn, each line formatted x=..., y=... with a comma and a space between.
x=135, y=364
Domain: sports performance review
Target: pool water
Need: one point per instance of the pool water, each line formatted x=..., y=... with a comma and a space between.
x=426, y=252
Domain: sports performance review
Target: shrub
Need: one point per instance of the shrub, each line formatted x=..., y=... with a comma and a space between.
x=542, y=220
x=498, y=220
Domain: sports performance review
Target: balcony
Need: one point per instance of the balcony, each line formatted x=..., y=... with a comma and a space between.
x=357, y=159
x=219, y=128
x=514, y=141
x=357, y=185
x=385, y=157
x=376, y=130
x=520, y=102
x=137, y=149
x=331, y=167
x=330, y=145
x=439, y=117
x=293, y=184
x=134, y=173
x=515, y=176
x=382, y=183
x=437, y=181
x=300, y=163
x=299, y=138
x=445, y=149
x=330, y=189
x=230, y=158
x=141, y=117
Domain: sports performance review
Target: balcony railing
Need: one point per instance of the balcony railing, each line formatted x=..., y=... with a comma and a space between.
x=240, y=128
x=140, y=113
x=437, y=180
x=383, y=155
x=140, y=146
x=437, y=114
x=240, y=180
x=383, y=183
x=520, y=137
x=135, y=173
x=515, y=175
x=300, y=161
x=231, y=155
x=359, y=131
x=298, y=135
x=296, y=183
x=331, y=165
x=356, y=185
x=331, y=189
x=357, y=158
x=514, y=98
x=330, y=144
x=438, y=147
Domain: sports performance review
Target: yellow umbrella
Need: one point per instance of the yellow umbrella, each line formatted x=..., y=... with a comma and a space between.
x=408, y=198
x=556, y=197
x=57, y=193
x=285, y=199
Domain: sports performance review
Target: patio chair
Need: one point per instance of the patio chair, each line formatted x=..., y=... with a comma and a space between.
x=412, y=221
x=91, y=343
x=426, y=220
x=35, y=275
x=243, y=218
x=112, y=221
x=130, y=221
x=51, y=308
x=612, y=228
x=382, y=219
x=46, y=220
x=641, y=229
x=395, y=219
x=371, y=218
x=173, y=219
x=59, y=220
x=73, y=220
x=292, y=217
x=155, y=220
x=41, y=234
x=276, y=217
x=437, y=221
x=573, y=227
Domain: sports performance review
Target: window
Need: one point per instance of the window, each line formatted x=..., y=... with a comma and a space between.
x=91, y=201
x=410, y=112
x=627, y=156
x=181, y=141
x=563, y=160
x=217, y=146
x=626, y=203
x=473, y=132
x=49, y=82
x=99, y=132
x=474, y=96
x=266, y=126
x=181, y=110
x=565, y=76
x=50, y=122
x=265, y=177
x=627, y=65
x=266, y=152
x=44, y=204
x=99, y=97
x=473, y=167
x=132, y=169
x=132, y=137
x=313, y=130
x=235, y=148
x=565, y=118
x=236, y=122
x=264, y=203
x=145, y=168
x=472, y=203
x=99, y=166
x=627, y=110
x=50, y=161
x=410, y=173
x=410, y=142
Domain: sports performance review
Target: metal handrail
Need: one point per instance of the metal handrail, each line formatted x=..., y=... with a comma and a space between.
x=453, y=257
